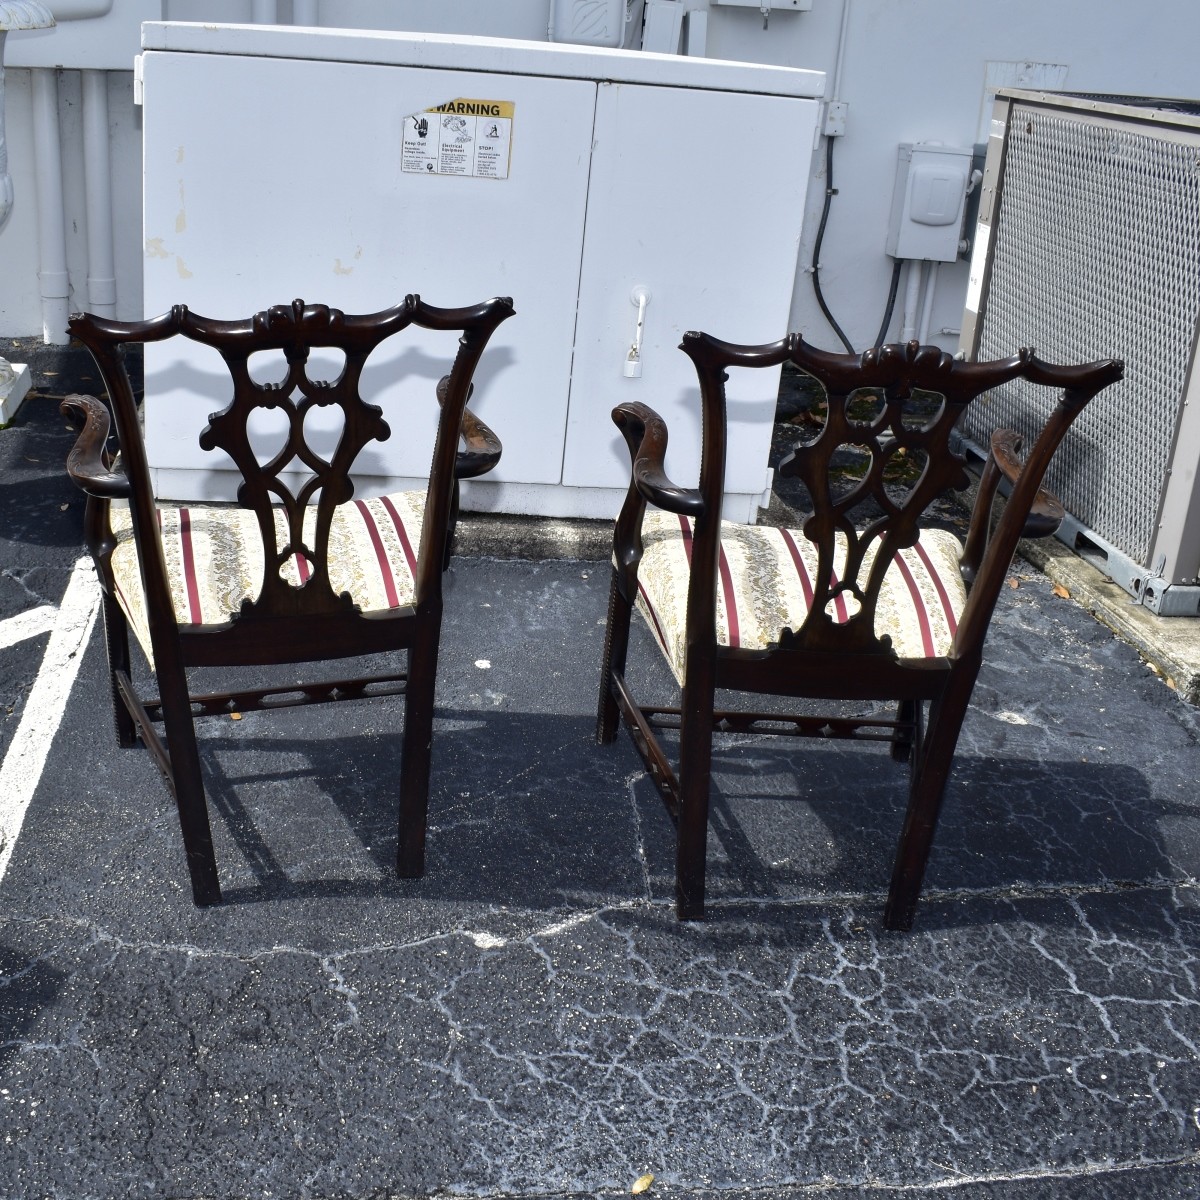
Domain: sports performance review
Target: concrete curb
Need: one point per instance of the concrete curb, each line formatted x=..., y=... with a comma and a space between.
x=1171, y=645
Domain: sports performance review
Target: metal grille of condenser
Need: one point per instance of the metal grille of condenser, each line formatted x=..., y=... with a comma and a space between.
x=1095, y=253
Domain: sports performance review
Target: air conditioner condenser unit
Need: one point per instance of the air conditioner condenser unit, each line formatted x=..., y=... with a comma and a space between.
x=1088, y=246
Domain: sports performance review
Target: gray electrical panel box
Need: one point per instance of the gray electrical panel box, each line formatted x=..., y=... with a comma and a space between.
x=928, y=201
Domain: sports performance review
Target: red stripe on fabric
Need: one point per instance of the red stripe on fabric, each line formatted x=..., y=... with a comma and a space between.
x=687, y=537
x=943, y=595
x=189, y=567
x=731, y=612
x=401, y=533
x=658, y=633
x=801, y=569
x=918, y=606
x=302, y=568
x=385, y=570
x=123, y=600
x=841, y=614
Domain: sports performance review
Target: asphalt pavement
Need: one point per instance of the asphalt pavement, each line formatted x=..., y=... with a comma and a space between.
x=529, y=1020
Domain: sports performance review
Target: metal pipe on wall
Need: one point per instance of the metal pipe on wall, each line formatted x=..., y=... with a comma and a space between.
x=53, y=280
x=912, y=297
x=304, y=12
x=927, y=302
x=265, y=12
x=97, y=174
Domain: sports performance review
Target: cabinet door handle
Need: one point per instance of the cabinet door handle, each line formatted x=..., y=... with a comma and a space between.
x=640, y=296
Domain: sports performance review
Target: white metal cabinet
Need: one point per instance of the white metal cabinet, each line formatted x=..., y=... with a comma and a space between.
x=309, y=200
x=684, y=175
x=693, y=196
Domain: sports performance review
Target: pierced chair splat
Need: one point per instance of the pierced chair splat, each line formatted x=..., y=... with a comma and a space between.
x=866, y=602
x=292, y=573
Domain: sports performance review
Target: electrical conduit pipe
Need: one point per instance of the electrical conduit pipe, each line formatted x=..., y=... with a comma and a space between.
x=52, y=239
x=97, y=173
x=14, y=381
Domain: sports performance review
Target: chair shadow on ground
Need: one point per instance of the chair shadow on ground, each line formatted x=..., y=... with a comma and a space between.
x=27, y=987
x=823, y=819
x=41, y=507
x=523, y=811
x=527, y=811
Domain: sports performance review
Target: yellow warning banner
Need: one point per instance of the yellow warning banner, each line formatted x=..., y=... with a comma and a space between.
x=461, y=137
x=476, y=108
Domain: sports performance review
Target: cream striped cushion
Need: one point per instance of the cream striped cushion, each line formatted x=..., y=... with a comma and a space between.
x=765, y=586
x=214, y=557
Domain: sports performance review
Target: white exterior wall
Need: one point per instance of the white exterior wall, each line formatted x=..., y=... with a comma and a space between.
x=912, y=71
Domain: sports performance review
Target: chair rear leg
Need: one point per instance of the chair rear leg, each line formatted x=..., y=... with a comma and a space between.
x=616, y=647
x=695, y=782
x=902, y=744
x=928, y=788
x=116, y=640
x=416, y=755
x=188, y=788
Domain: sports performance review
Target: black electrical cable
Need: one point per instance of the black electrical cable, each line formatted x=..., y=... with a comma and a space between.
x=830, y=192
x=891, y=302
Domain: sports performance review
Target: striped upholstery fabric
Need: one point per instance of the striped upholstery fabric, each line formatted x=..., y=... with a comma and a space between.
x=214, y=557
x=765, y=587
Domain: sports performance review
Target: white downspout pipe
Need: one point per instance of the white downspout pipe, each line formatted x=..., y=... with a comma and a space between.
x=52, y=238
x=14, y=377
x=912, y=296
x=265, y=12
x=97, y=173
x=304, y=12
x=927, y=303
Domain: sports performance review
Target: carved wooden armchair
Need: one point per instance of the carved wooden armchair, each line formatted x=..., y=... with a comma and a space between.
x=282, y=576
x=861, y=604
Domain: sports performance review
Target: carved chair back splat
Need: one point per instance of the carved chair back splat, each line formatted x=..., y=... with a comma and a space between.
x=863, y=603
x=292, y=573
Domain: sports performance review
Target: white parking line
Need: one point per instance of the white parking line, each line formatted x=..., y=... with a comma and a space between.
x=31, y=623
x=22, y=767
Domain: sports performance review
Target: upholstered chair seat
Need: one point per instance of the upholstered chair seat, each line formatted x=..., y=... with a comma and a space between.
x=214, y=558
x=766, y=586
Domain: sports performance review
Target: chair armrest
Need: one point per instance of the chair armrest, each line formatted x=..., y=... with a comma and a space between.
x=481, y=447
x=89, y=464
x=1044, y=517
x=645, y=433
x=1047, y=512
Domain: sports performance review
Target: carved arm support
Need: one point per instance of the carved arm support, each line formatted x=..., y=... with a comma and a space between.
x=645, y=434
x=90, y=467
x=89, y=463
x=481, y=447
x=1045, y=515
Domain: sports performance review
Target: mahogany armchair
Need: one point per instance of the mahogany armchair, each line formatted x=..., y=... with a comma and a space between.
x=860, y=604
x=284, y=576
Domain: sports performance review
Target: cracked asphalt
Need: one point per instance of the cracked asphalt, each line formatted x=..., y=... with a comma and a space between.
x=529, y=1020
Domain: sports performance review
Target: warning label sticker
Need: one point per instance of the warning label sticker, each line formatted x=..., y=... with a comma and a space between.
x=461, y=137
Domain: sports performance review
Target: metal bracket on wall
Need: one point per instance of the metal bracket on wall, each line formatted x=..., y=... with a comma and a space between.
x=1171, y=599
x=1145, y=587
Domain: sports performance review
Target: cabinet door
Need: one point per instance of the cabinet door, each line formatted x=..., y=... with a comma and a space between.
x=697, y=196
x=269, y=179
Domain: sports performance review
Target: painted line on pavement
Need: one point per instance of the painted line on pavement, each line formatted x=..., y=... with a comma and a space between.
x=21, y=770
x=31, y=623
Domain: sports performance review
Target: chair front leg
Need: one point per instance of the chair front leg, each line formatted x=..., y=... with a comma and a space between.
x=188, y=786
x=116, y=641
x=907, y=715
x=930, y=775
x=616, y=647
x=416, y=752
x=695, y=782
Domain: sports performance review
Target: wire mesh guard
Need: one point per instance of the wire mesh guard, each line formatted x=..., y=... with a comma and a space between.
x=1096, y=254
